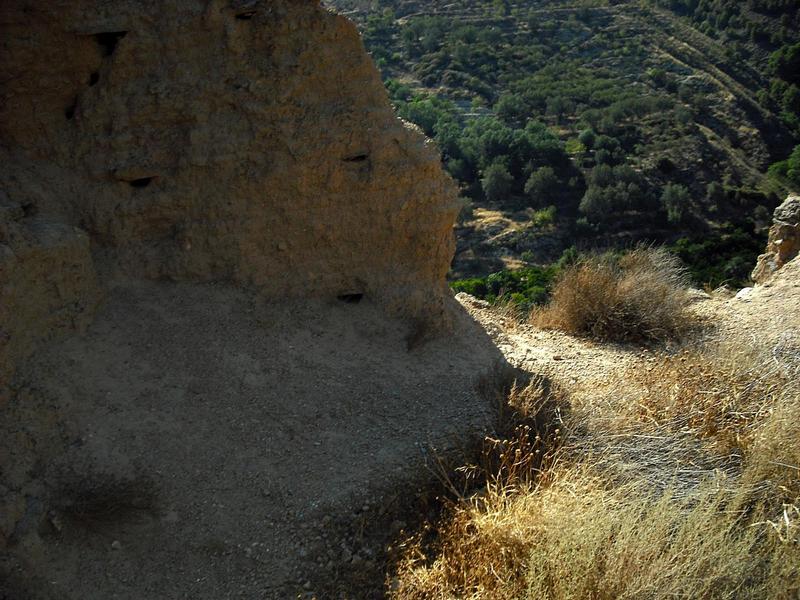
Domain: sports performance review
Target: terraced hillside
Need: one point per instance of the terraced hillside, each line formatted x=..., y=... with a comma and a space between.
x=598, y=124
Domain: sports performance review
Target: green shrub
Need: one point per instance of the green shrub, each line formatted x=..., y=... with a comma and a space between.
x=587, y=138
x=523, y=287
x=724, y=257
x=545, y=216
x=574, y=146
x=474, y=286
x=785, y=63
x=542, y=184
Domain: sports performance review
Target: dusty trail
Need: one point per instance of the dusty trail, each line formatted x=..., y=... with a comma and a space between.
x=768, y=315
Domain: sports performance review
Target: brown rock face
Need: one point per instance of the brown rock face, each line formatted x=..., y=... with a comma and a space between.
x=784, y=240
x=250, y=142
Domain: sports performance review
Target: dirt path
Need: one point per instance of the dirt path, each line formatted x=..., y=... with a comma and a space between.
x=581, y=366
x=768, y=315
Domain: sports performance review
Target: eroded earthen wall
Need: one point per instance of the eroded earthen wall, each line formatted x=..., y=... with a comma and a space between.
x=250, y=142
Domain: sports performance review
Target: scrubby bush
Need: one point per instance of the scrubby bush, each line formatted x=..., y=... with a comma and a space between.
x=640, y=296
x=544, y=216
x=573, y=147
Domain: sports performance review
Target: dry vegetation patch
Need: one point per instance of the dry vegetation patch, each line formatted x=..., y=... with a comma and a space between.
x=641, y=503
x=641, y=296
x=724, y=396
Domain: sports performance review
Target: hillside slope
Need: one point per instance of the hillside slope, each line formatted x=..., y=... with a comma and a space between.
x=662, y=123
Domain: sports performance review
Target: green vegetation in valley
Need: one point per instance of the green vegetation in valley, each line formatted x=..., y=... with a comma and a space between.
x=649, y=121
x=523, y=288
x=724, y=258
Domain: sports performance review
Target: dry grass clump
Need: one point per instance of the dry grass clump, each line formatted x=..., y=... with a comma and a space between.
x=774, y=455
x=530, y=436
x=744, y=401
x=722, y=397
x=576, y=537
x=641, y=296
x=637, y=505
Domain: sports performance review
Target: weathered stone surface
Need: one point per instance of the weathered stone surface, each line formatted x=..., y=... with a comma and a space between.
x=784, y=240
x=204, y=141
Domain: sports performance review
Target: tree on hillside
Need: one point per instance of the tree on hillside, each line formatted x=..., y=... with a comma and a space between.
x=612, y=190
x=587, y=138
x=557, y=106
x=497, y=182
x=511, y=109
x=542, y=184
x=674, y=200
x=785, y=63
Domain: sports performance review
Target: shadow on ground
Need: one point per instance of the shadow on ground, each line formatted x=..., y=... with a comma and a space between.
x=280, y=446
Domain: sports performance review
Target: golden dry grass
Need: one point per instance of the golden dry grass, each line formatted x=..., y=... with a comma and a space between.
x=721, y=397
x=603, y=512
x=577, y=538
x=641, y=296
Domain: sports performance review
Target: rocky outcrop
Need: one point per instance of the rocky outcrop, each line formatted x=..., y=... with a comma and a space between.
x=784, y=240
x=238, y=140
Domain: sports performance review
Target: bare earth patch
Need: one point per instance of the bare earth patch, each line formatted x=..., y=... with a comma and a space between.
x=283, y=443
